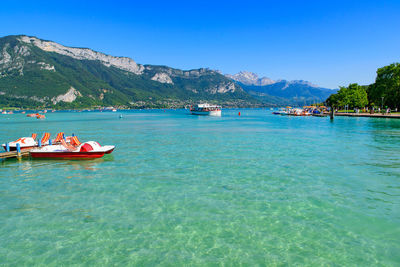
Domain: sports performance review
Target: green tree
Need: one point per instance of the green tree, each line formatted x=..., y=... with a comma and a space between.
x=333, y=100
x=358, y=96
x=355, y=96
x=387, y=85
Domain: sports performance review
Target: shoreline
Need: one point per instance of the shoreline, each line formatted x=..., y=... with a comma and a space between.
x=368, y=115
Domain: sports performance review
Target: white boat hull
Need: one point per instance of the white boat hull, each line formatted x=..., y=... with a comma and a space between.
x=61, y=152
x=207, y=113
x=24, y=143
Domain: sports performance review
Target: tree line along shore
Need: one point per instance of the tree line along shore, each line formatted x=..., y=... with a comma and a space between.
x=383, y=96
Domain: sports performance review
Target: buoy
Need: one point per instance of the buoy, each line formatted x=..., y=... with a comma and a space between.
x=239, y=113
x=120, y=116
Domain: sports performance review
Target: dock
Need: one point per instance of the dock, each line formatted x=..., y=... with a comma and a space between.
x=368, y=115
x=14, y=154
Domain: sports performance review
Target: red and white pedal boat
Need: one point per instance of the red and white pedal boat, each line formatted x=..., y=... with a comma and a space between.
x=28, y=142
x=24, y=143
x=87, y=150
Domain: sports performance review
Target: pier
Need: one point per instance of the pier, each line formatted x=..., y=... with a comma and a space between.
x=14, y=154
x=18, y=153
x=368, y=115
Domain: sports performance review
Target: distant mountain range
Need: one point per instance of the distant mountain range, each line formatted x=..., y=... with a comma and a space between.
x=250, y=78
x=35, y=72
x=40, y=73
x=281, y=92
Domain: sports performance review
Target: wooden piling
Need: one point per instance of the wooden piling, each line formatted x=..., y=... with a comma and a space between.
x=18, y=150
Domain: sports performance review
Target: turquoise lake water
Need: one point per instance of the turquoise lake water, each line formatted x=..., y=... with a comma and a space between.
x=258, y=189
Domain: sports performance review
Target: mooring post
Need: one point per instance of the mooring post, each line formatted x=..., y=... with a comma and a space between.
x=8, y=147
x=18, y=150
x=331, y=113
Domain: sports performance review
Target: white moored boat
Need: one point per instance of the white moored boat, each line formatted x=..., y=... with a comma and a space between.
x=87, y=150
x=206, y=109
x=23, y=142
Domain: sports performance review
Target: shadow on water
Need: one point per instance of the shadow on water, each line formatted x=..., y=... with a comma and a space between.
x=385, y=131
x=27, y=163
x=384, y=123
x=57, y=121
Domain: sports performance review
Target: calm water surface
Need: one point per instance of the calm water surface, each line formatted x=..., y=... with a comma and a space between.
x=187, y=190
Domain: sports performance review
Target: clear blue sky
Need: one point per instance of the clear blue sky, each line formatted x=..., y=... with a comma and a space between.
x=330, y=43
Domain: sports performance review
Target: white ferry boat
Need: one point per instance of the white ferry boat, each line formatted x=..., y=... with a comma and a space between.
x=206, y=109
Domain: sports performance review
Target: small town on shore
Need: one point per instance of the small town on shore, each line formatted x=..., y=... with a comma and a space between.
x=380, y=99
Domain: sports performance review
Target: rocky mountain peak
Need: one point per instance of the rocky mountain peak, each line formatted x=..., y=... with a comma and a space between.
x=304, y=82
x=250, y=78
x=123, y=63
x=36, y=72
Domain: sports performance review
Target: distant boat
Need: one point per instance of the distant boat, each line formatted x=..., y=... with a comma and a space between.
x=280, y=111
x=114, y=110
x=297, y=112
x=206, y=109
x=320, y=115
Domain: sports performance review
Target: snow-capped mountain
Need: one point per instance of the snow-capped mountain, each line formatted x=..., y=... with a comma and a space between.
x=250, y=78
x=281, y=91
